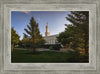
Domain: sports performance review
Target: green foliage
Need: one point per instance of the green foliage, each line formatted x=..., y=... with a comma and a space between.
x=20, y=44
x=57, y=47
x=76, y=34
x=33, y=37
x=33, y=29
x=14, y=36
x=39, y=42
x=26, y=43
x=80, y=19
x=62, y=38
x=76, y=57
x=53, y=46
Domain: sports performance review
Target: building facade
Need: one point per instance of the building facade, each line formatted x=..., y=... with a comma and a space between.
x=50, y=39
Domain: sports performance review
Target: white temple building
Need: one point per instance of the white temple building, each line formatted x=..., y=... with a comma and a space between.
x=50, y=39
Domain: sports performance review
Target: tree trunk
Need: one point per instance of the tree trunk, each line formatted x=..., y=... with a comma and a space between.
x=33, y=46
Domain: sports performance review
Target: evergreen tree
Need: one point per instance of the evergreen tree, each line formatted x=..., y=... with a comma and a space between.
x=34, y=34
x=80, y=19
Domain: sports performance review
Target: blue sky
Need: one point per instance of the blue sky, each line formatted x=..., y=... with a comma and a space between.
x=55, y=19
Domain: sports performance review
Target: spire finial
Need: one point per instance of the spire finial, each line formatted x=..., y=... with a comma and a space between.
x=47, y=30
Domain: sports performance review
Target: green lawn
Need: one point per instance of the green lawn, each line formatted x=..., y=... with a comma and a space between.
x=21, y=56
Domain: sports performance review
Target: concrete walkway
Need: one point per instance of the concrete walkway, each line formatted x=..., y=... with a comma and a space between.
x=50, y=50
x=41, y=49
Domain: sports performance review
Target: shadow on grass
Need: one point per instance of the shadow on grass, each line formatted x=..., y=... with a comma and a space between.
x=33, y=53
x=28, y=56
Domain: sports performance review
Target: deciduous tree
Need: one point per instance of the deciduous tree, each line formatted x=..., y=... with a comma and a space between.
x=14, y=38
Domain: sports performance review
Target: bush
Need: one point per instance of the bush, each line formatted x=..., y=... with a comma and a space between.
x=76, y=57
x=85, y=57
x=57, y=47
x=51, y=48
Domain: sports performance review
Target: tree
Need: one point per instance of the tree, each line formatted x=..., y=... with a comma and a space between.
x=26, y=41
x=20, y=44
x=76, y=33
x=66, y=37
x=80, y=19
x=34, y=34
x=14, y=38
x=62, y=38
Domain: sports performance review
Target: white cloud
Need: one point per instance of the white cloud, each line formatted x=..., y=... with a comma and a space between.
x=26, y=12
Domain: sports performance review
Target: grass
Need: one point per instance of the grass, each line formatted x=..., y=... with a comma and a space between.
x=21, y=56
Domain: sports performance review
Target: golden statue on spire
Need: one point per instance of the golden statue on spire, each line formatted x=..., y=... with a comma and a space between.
x=47, y=30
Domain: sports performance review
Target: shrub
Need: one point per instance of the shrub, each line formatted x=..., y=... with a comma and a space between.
x=57, y=47
x=47, y=46
x=51, y=48
x=76, y=57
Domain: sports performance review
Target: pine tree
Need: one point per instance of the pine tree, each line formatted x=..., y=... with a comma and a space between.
x=34, y=33
x=80, y=19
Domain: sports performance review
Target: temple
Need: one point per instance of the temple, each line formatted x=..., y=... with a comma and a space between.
x=50, y=39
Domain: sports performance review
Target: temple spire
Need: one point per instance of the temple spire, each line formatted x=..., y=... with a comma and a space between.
x=47, y=30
